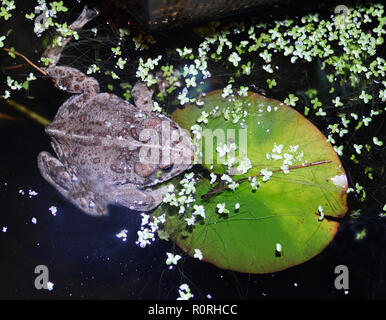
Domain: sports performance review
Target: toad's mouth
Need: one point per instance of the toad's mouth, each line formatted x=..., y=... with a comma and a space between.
x=164, y=164
x=166, y=149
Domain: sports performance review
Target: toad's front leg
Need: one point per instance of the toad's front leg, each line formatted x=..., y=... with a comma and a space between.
x=134, y=198
x=142, y=96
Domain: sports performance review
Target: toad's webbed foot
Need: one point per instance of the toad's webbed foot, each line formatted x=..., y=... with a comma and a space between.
x=53, y=51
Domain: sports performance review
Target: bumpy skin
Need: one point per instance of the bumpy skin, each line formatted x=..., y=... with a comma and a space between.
x=98, y=139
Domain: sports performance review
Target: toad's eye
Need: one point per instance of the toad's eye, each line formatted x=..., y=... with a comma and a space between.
x=134, y=133
x=144, y=170
x=166, y=167
x=152, y=123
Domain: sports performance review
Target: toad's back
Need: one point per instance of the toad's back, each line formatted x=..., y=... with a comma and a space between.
x=97, y=137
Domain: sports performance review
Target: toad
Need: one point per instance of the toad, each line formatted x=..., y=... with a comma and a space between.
x=109, y=151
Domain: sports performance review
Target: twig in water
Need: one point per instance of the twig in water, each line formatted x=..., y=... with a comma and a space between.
x=26, y=59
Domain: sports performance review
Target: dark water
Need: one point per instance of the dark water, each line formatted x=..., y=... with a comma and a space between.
x=86, y=260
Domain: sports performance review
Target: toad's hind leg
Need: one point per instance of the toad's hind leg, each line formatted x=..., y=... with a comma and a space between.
x=69, y=186
x=54, y=51
x=67, y=78
x=72, y=80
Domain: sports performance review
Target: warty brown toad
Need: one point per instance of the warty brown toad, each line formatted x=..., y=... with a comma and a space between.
x=109, y=151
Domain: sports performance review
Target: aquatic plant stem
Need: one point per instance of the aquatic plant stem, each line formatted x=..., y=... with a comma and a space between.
x=30, y=114
x=9, y=118
x=26, y=59
x=214, y=191
x=14, y=67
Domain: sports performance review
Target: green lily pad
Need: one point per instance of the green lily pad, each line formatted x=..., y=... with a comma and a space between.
x=280, y=224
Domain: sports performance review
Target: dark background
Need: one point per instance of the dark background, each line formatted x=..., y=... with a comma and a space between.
x=87, y=261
